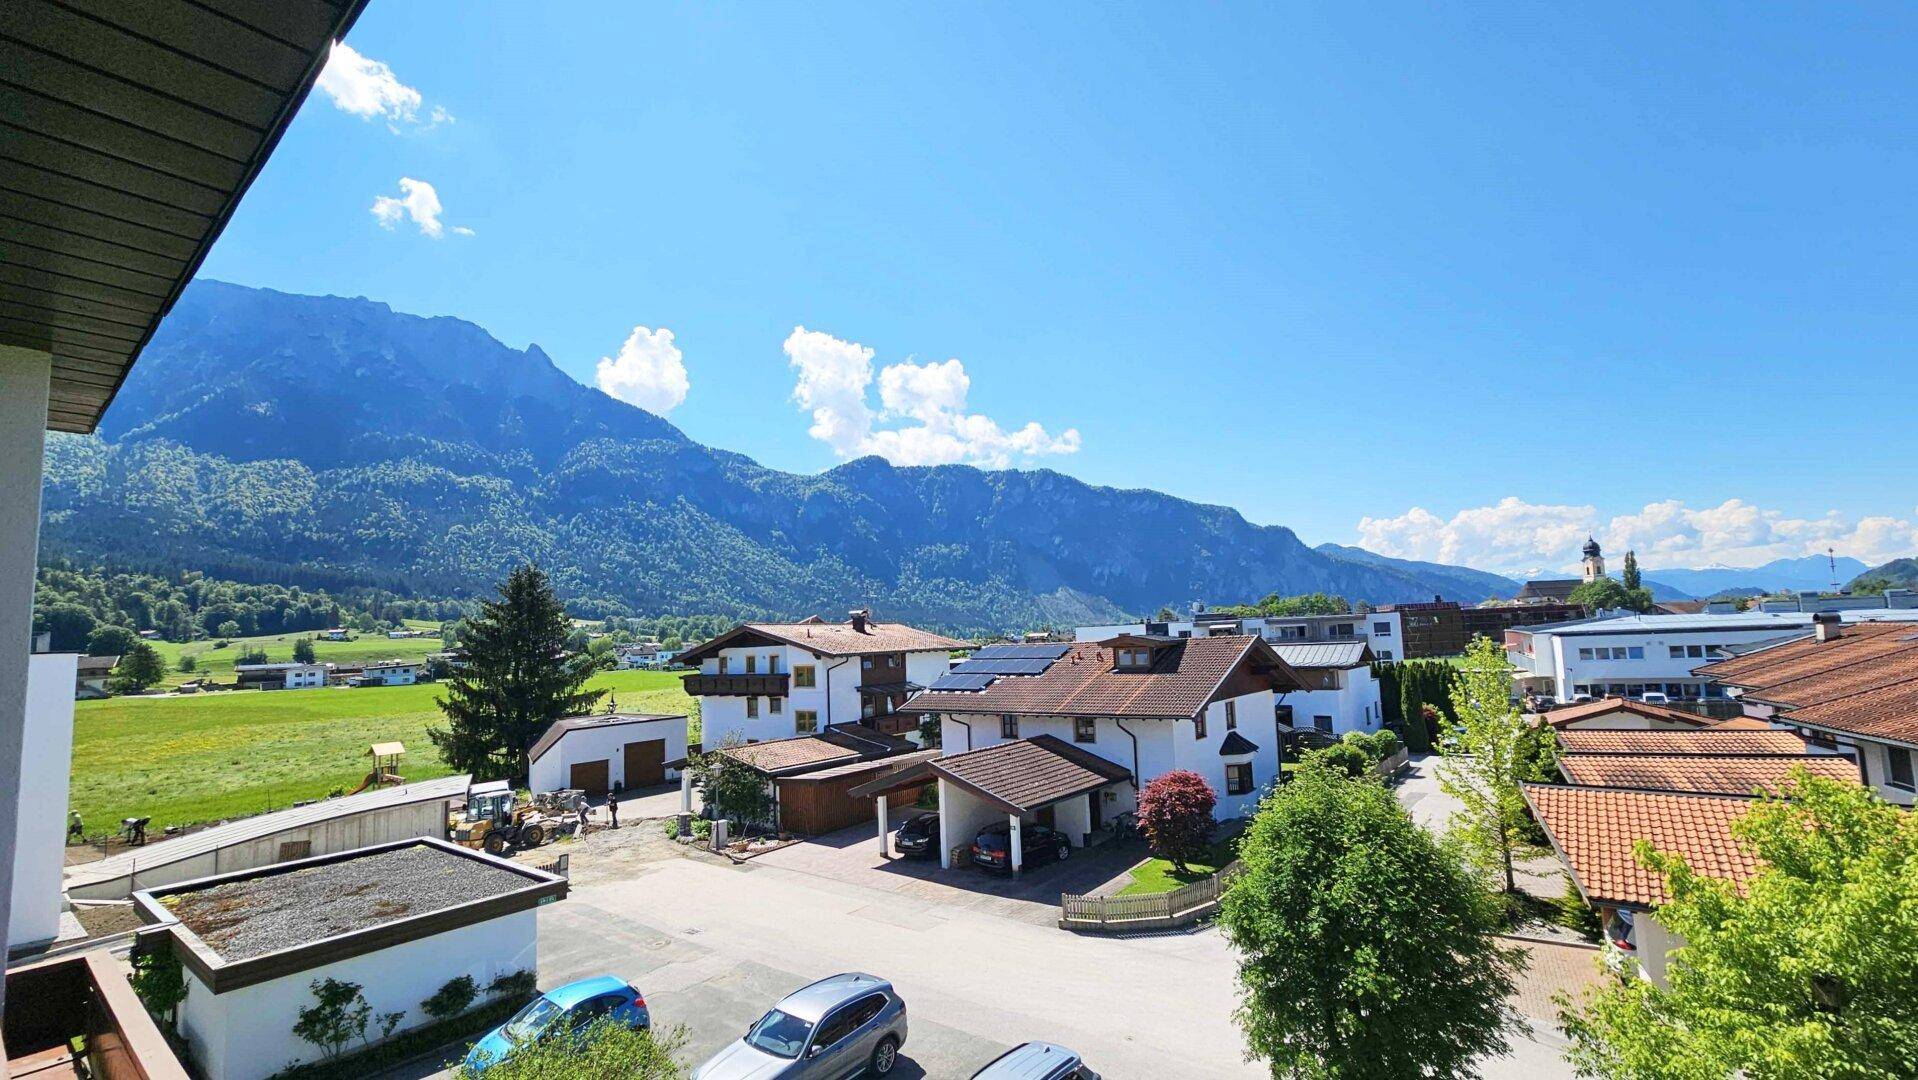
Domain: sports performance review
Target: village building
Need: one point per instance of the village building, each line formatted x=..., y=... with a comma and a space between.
x=761, y=681
x=812, y=777
x=390, y=672
x=608, y=752
x=90, y=675
x=289, y=676
x=1623, y=714
x=1340, y=695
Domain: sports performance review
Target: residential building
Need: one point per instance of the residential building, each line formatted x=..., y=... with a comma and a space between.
x=812, y=777
x=280, y=676
x=1435, y=628
x=608, y=752
x=1065, y=735
x=336, y=633
x=253, y=944
x=1632, y=655
x=90, y=675
x=1379, y=628
x=1492, y=620
x=46, y=757
x=390, y=672
x=1340, y=694
x=761, y=681
x=1623, y=714
x=648, y=656
x=1893, y=599
x=1850, y=687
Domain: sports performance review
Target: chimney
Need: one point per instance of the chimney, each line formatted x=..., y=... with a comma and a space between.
x=860, y=616
x=1826, y=626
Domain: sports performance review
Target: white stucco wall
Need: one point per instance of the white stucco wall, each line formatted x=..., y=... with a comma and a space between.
x=961, y=816
x=1874, y=757
x=553, y=770
x=46, y=754
x=1354, y=706
x=834, y=697
x=247, y=1034
x=1655, y=944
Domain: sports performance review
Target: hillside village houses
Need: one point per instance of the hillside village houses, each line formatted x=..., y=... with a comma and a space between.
x=761, y=681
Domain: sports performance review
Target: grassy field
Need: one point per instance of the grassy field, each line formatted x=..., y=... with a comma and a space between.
x=1157, y=876
x=217, y=664
x=188, y=759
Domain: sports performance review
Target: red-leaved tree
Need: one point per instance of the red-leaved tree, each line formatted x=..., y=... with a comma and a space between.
x=1175, y=812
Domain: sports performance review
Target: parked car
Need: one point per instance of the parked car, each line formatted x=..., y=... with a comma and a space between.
x=848, y=1025
x=567, y=1008
x=1654, y=697
x=992, y=848
x=919, y=837
x=1036, y=1061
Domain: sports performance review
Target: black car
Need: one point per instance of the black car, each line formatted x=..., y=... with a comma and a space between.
x=992, y=848
x=919, y=837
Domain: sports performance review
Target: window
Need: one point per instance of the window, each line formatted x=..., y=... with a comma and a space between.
x=1385, y=654
x=752, y=663
x=1323, y=723
x=1231, y=716
x=805, y=721
x=850, y=1019
x=1696, y=652
x=1085, y=729
x=1898, y=767
x=752, y=708
x=1198, y=726
x=723, y=665
x=866, y=662
x=1678, y=652
x=772, y=663
x=295, y=849
x=1238, y=779
x=1584, y=654
x=1636, y=652
x=1382, y=629
x=804, y=674
x=1008, y=726
x=776, y=705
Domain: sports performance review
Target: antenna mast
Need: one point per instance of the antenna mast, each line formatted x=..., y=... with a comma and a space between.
x=1831, y=559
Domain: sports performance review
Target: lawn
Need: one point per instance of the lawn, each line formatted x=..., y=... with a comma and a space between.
x=217, y=663
x=188, y=759
x=1157, y=876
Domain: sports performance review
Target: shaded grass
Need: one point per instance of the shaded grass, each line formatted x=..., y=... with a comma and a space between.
x=1157, y=875
x=191, y=759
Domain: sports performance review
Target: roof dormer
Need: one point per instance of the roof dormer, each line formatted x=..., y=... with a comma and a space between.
x=1134, y=652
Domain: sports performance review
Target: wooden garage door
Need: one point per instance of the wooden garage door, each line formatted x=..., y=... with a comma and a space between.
x=645, y=763
x=590, y=777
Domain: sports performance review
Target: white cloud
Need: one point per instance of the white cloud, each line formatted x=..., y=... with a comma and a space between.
x=648, y=372
x=1513, y=536
x=417, y=201
x=368, y=88
x=834, y=377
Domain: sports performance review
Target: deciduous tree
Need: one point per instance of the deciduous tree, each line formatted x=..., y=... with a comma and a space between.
x=1366, y=947
x=303, y=650
x=1175, y=813
x=1809, y=974
x=1490, y=762
x=139, y=667
x=517, y=680
x=110, y=640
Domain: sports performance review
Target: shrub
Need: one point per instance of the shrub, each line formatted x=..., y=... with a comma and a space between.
x=514, y=984
x=451, y=999
x=338, y=1015
x=1345, y=757
x=1175, y=813
x=600, y=1049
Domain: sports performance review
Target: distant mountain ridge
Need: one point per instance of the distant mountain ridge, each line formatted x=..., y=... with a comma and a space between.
x=1809, y=573
x=326, y=435
x=1459, y=583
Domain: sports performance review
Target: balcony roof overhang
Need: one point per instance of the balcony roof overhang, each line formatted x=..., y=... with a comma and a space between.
x=129, y=131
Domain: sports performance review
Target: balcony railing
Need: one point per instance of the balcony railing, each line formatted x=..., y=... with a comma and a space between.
x=82, y=997
x=702, y=685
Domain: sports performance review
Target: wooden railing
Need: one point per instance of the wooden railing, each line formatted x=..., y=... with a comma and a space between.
x=1150, y=911
x=701, y=685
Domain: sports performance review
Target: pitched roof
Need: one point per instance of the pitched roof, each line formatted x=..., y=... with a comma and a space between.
x=1549, y=588
x=1702, y=741
x=1595, y=829
x=1185, y=675
x=1589, y=710
x=1027, y=774
x=1235, y=744
x=830, y=639
x=805, y=753
x=560, y=728
x=1330, y=654
x=1863, y=682
x=1711, y=773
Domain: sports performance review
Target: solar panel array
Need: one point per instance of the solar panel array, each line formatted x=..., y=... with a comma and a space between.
x=956, y=681
x=1002, y=667
x=1021, y=652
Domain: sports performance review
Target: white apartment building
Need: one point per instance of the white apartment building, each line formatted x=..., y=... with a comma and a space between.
x=292, y=676
x=1340, y=694
x=1632, y=655
x=762, y=681
x=391, y=673
x=1380, y=629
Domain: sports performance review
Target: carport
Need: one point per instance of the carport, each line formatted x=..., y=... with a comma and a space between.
x=1043, y=779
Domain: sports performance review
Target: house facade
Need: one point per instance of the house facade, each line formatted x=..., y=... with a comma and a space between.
x=1340, y=694
x=1380, y=628
x=280, y=676
x=608, y=752
x=390, y=673
x=1067, y=736
x=763, y=681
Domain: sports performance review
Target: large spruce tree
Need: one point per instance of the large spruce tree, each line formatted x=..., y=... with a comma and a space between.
x=517, y=679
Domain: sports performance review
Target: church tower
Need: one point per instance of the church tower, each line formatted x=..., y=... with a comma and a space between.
x=1594, y=560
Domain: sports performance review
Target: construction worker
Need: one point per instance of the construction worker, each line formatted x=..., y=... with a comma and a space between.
x=76, y=830
x=612, y=807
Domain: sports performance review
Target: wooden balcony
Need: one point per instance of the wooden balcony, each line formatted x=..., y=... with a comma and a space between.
x=701, y=685
x=82, y=1000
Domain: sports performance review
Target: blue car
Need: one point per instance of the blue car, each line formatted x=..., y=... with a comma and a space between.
x=569, y=1007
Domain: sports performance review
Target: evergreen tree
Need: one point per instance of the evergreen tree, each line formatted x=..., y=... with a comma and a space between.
x=518, y=679
x=1632, y=579
x=303, y=650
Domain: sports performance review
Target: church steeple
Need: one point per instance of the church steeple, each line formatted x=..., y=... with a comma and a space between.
x=1594, y=560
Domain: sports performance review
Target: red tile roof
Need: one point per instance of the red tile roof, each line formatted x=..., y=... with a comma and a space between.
x=1722, y=775
x=1595, y=830
x=1185, y=675
x=830, y=639
x=1027, y=774
x=1710, y=740
x=1607, y=706
x=1863, y=682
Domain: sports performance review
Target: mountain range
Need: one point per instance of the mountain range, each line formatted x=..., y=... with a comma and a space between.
x=1809, y=573
x=299, y=437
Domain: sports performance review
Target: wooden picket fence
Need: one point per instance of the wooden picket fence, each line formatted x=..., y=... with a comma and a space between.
x=1153, y=911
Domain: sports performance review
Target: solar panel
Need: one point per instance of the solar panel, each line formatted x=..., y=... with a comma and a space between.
x=1001, y=666
x=1021, y=652
x=958, y=681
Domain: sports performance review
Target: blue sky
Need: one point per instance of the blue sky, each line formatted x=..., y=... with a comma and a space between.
x=1533, y=274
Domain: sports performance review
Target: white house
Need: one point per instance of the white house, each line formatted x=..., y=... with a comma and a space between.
x=46, y=761
x=280, y=676
x=253, y=943
x=761, y=681
x=1631, y=655
x=1065, y=735
x=1341, y=694
x=390, y=672
x=608, y=752
x=1380, y=629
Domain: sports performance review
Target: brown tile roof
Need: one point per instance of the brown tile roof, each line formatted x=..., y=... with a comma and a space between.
x=1595, y=829
x=837, y=745
x=1703, y=741
x=1710, y=773
x=832, y=639
x=1026, y=774
x=1587, y=710
x=1864, y=682
x=1184, y=676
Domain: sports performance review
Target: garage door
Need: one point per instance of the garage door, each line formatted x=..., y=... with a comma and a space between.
x=590, y=777
x=645, y=763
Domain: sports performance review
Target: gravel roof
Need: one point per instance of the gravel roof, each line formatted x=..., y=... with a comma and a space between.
x=254, y=916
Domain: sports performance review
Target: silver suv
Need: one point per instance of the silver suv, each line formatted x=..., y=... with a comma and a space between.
x=848, y=1025
x=1036, y=1061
